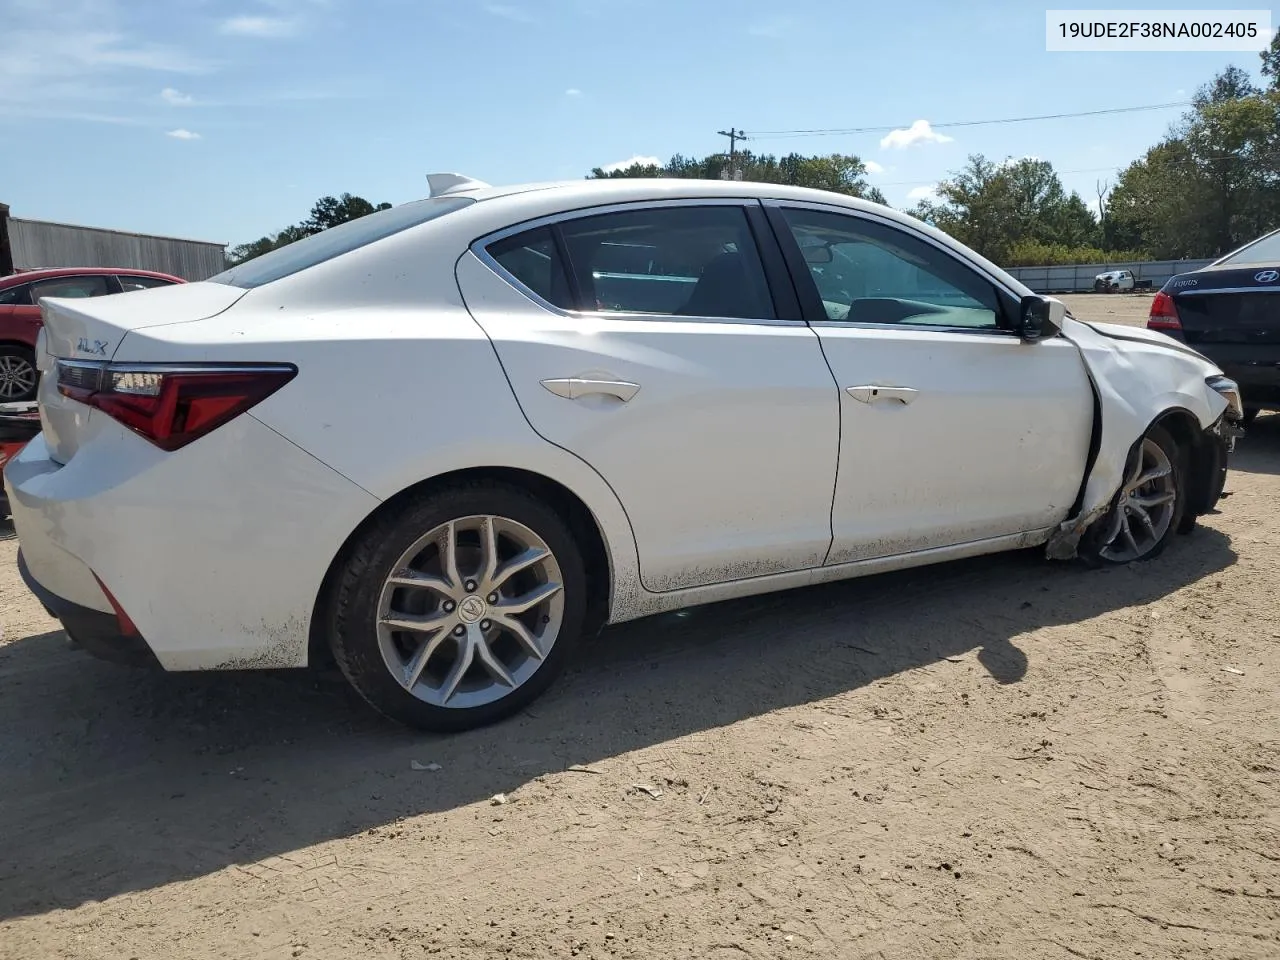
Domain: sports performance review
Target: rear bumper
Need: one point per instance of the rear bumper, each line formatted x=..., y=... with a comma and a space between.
x=93, y=631
x=216, y=552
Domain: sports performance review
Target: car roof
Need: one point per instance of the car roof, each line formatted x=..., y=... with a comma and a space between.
x=27, y=276
x=487, y=209
x=570, y=192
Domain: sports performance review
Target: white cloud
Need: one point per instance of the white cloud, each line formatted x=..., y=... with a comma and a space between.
x=176, y=98
x=920, y=193
x=181, y=134
x=67, y=60
x=573, y=92
x=253, y=26
x=1014, y=161
x=631, y=162
x=918, y=132
x=873, y=168
x=508, y=12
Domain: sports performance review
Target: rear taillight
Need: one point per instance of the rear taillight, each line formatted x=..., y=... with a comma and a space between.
x=171, y=404
x=1164, y=314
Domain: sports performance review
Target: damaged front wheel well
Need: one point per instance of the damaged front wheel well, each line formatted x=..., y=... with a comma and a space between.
x=1202, y=463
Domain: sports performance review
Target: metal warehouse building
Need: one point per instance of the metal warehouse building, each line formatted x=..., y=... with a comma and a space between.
x=38, y=244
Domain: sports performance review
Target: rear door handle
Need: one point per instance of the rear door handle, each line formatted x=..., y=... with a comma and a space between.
x=874, y=392
x=573, y=388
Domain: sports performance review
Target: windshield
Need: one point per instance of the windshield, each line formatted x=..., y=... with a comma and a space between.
x=336, y=241
x=1263, y=250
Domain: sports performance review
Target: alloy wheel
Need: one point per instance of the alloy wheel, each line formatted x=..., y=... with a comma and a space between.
x=1144, y=511
x=470, y=611
x=17, y=377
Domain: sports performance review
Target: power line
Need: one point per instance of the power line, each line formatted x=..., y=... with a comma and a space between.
x=842, y=131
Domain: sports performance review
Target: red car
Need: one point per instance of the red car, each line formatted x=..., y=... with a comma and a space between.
x=20, y=314
x=19, y=422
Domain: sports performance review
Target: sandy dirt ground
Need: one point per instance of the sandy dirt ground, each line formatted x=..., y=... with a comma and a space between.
x=993, y=758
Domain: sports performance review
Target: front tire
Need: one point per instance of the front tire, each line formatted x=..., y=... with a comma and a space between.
x=1148, y=508
x=459, y=609
x=19, y=377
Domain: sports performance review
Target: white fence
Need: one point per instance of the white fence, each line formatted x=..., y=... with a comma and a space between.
x=1079, y=277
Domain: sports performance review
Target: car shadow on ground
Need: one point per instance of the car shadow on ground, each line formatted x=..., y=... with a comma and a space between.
x=1258, y=451
x=118, y=780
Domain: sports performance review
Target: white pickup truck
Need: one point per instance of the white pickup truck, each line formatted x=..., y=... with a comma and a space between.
x=1113, y=281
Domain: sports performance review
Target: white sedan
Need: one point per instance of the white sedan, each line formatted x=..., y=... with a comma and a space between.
x=450, y=439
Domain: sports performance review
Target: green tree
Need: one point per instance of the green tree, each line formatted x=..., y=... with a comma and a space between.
x=839, y=173
x=1213, y=183
x=1231, y=84
x=997, y=208
x=325, y=213
x=331, y=211
x=1271, y=61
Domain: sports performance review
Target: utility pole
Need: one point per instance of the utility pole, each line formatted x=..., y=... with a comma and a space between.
x=734, y=136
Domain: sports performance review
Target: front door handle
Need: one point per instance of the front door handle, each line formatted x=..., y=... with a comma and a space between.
x=874, y=392
x=574, y=388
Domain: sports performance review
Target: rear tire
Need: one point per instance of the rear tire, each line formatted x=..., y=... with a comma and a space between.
x=1153, y=488
x=19, y=378
x=444, y=646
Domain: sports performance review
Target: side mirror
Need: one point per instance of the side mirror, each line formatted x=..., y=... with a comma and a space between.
x=1041, y=317
x=817, y=254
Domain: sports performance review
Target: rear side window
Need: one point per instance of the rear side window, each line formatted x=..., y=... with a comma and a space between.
x=683, y=261
x=533, y=259
x=334, y=242
x=1263, y=251
x=129, y=283
x=75, y=287
x=16, y=296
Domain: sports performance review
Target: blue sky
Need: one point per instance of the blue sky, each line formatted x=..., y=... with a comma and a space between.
x=225, y=119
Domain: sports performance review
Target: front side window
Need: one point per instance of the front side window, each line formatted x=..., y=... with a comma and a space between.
x=129, y=283
x=74, y=287
x=15, y=296
x=868, y=272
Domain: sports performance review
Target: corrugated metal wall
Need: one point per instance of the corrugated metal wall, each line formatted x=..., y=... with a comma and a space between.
x=37, y=244
x=1079, y=277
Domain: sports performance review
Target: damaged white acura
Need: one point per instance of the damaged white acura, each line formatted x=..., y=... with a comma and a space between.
x=449, y=440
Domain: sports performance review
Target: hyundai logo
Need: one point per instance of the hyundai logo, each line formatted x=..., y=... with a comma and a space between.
x=1267, y=276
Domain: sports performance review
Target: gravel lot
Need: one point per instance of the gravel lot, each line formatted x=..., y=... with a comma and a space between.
x=992, y=758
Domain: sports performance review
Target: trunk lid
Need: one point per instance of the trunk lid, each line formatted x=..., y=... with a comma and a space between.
x=92, y=330
x=1239, y=306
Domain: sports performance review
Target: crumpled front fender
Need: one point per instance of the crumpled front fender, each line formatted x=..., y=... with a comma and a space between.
x=1138, y=376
